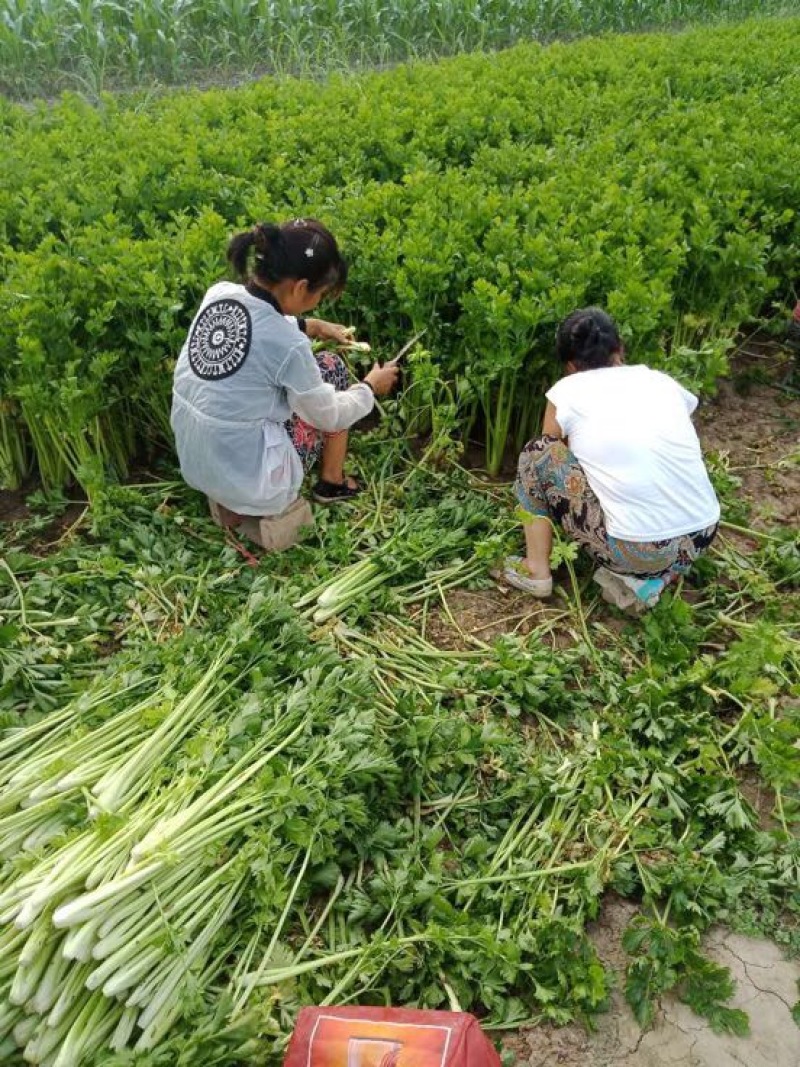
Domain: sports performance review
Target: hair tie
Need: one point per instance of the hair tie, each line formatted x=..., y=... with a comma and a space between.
x=309, y=251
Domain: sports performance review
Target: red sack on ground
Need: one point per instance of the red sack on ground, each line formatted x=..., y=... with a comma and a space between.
x=388, y=1037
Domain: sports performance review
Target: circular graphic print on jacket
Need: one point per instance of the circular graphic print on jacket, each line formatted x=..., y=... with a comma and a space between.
x=220, y=340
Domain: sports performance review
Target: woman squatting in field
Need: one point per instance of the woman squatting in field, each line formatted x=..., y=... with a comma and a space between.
x=618, y=467
x=253, y=407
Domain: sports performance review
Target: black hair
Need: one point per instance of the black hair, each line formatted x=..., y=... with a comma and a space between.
x=589, y=338
x=300, y=249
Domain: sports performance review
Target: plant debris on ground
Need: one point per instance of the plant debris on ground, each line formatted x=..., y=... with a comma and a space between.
x=221, y=802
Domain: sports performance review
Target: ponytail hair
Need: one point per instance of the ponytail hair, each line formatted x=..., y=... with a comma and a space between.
x=303, y=249
x=588, y=338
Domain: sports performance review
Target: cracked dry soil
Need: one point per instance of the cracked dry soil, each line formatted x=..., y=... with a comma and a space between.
x=766, y=988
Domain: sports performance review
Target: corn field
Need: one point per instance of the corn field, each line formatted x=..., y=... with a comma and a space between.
x=91, y=45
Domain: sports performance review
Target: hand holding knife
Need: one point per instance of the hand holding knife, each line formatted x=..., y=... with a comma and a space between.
x=383, y=379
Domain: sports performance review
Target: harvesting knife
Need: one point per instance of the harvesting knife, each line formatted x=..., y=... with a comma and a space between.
x=408, y=346
x=370, y=421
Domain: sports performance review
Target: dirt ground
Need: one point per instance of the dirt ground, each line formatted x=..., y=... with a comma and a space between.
x=766, y=988
x=755, y=428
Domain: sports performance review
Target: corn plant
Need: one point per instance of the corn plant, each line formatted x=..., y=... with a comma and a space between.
x=50, y=44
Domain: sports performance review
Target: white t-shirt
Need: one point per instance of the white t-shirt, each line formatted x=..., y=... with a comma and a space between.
x=630, y=429
x=243, y=370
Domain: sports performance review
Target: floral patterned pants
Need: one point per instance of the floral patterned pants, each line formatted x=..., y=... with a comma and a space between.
x=551, y=483
x=307, y=440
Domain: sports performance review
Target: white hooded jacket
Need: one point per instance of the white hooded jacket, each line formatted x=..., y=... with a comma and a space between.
x=244, y=369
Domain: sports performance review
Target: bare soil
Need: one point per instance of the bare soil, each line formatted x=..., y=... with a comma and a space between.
x=755, y=428
x=766, y=988
x=46, y=538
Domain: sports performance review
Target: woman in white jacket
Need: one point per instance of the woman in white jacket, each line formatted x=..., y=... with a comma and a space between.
x=253, y=407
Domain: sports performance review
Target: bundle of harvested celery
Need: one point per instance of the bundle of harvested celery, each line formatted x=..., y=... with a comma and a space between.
x=433, y=549
x=125, y=800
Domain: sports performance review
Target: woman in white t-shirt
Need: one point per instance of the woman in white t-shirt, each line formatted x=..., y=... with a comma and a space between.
x=253, y=408
x=618, y=467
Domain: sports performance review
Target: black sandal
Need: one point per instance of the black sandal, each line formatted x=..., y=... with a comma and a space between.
x=334, y=492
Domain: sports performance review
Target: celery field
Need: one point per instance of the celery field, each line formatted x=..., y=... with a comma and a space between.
x=361, y=771
x=91, y=45
x=481, y=198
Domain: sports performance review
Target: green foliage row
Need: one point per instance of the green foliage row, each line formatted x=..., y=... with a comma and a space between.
x=48, y=45
x=482, y=197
